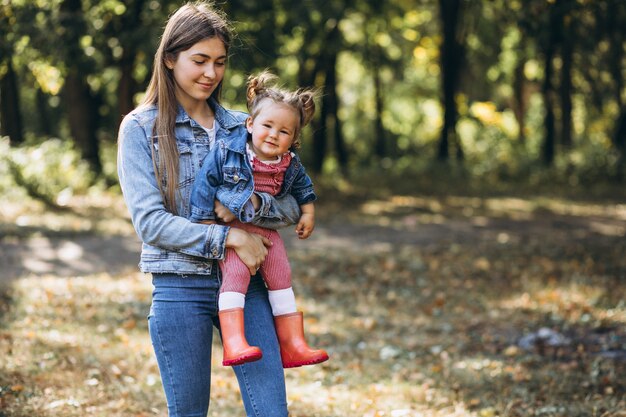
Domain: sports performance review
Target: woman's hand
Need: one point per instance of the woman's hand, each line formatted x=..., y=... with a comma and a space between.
x=222, y=213
x=250, y=247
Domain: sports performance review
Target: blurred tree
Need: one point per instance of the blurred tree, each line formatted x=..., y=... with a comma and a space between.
x=452, y=51
x=259, y=25
x=10, y=115
x=127, y=34
x=542, y=22
x=330, y=123
x=74, y=67
x=123, y=34
x=80, y=102
x=380, y=36
x=320, y=41
x=568, y=18
x=615, y=18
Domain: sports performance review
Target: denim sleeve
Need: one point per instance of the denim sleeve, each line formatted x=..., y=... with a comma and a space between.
x=277, y=213
x=302, y=187
x=152, y=222
x=205, y=185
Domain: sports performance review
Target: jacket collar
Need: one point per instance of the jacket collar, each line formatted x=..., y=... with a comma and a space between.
x=223, y=116
x=238, y=143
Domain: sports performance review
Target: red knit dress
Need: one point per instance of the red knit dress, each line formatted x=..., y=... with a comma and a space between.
x=268, y=178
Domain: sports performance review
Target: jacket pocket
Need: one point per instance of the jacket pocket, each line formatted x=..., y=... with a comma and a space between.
x=235, y=177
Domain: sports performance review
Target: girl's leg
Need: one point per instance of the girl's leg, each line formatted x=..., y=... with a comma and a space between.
x=262, y=383
x=275, y=269
x=289, y=323
x=235, y=281
x=276, y=272
x=235, y=274
x=181, y=322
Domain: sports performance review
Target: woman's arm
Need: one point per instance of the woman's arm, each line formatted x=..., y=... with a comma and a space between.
x=250, y=247
x=153, y=223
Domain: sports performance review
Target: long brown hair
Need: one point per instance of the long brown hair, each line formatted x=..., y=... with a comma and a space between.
x=190, y=24
x=264, y=86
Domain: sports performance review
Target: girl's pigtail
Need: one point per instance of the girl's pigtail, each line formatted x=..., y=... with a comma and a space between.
x=251, y=91
x=257, y=86
x=307, y=105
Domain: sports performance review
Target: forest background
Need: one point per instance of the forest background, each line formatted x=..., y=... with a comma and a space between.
x=470, y=157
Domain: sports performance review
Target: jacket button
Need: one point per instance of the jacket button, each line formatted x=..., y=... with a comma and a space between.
x=215, y=252
x=236, y=178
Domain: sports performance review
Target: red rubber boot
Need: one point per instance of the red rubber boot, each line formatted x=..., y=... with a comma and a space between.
x=236, y=347
x=294, y=351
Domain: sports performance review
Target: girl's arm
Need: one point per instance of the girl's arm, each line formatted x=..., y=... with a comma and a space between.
x=266, y=211
x=153, y=223
x=275, y=213
x=307, y=221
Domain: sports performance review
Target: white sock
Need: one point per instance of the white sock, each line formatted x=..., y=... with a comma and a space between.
x=231, y=299
x=282, y=301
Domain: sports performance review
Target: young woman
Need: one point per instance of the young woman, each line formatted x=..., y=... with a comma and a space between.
x=261, y=161
x=161, y=146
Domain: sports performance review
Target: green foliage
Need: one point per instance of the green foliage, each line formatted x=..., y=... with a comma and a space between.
x=395, y=43
x=50, y=171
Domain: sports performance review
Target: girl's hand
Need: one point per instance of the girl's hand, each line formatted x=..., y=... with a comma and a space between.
x=305, y=225
x=250, y=247
x=222, y=213
x=256, y=201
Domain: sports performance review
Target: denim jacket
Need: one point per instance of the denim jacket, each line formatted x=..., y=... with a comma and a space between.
x=226, y=174
x=172, y=243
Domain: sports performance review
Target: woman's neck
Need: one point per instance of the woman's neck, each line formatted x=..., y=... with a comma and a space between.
x=200, y=111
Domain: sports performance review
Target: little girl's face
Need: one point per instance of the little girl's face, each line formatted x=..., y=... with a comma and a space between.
x=272, y=130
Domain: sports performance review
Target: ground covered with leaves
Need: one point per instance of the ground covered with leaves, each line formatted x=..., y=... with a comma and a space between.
x=429, y=307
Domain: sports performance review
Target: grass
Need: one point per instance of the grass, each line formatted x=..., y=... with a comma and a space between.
x=421, y=301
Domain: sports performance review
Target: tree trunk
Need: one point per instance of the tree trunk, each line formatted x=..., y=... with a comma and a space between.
x=567, y=55
x=319, y=140
x=47, y=124
x=332, y=103
x=451, y=55
x=379, y=130
x=519, y=99
x=548, y=148
x=82, y=114
x=615, y=33
x=326, y=65
x=81, y=106
x=547, y=88
x=10, y=115
x=127, y=87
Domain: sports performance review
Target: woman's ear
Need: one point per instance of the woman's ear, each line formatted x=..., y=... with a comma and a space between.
x=249, y=124
x=169, y=64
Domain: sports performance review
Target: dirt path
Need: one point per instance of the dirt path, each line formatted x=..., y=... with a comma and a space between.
x=84, y=253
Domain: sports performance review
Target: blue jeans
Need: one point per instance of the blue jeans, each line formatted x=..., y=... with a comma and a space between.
x=181, y=320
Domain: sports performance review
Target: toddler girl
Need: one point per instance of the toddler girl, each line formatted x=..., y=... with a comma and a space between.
x=231, y=173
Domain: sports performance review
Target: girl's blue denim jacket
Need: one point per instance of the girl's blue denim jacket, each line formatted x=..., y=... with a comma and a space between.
x=173, y=243
x=226, y=174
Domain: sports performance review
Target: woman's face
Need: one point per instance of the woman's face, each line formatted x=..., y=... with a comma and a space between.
x=198, y=71
x=272, y=130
